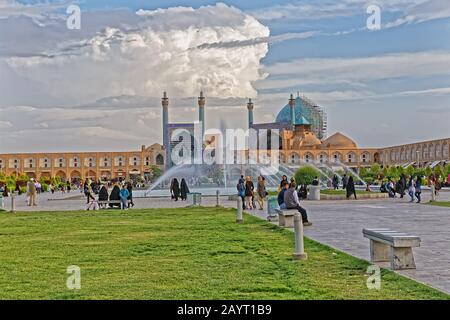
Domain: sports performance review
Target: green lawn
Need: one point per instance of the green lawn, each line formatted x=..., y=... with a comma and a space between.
x=177, y=254
x=440, y=204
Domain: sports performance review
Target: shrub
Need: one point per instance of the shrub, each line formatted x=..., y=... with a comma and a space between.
x=306, y=175
x=44, y=187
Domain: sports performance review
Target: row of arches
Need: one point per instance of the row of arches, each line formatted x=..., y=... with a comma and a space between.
x=77, y=162
x=336, y=157
x=423, y=152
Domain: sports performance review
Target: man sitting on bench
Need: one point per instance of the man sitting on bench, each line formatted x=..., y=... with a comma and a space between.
x=284, y=187
x=291, y=201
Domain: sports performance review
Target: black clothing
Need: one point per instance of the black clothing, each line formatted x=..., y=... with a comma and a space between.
x=115, y=196
x=103, y=196
x=175, y=189
x=350, y=187
x=130, y=197
x=184, y=190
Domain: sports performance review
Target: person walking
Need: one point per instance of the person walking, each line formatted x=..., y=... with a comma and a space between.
x=261, y=191
x=291, y=201
x=175, y=189
x=130, y=197
x=88, y=193
x=124, y=194
x=38, y=187
x=249, y=188
x=411, y=188
x=335, y=182
x=350, y=187
x=344, y=182
x=31, y=193
x=402, y=185
x=418, y=189
x=241, y=190
x=184, y=190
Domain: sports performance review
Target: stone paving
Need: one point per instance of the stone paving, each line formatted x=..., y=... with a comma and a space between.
x=338, y=224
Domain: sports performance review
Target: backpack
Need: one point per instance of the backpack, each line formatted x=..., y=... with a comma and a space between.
x=240, y=188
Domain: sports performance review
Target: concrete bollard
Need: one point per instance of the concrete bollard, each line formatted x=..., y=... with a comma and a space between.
x=217, y=198
x=433, y=192
x=13, y=203
x=239, y=217
x=314, y=193
x=299, y=253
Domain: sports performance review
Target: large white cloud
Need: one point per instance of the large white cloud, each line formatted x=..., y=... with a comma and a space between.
x=151, y=52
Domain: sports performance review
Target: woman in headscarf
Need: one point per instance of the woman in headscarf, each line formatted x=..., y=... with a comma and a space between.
x=130, y=197
x=175, y=189
x=418, y=186
x=283, y=181
x=350, y=187
x=411, y=188
x=184, y=190
x=103, y=195
x=115, y=196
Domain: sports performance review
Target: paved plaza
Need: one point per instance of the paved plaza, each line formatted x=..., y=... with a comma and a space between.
x=338, y=224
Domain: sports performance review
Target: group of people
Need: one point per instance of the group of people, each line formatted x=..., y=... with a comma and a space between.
x=289, y=197
x=348, y=184
x=122, y=192
x=251, y=195
x=411, y=185
x=179, y=190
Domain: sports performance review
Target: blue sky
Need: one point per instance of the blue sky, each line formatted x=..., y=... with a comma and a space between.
x=373, y=84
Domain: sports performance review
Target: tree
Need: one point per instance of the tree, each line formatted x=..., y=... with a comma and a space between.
x=393, y=173
x=410, y=171
x=306, y=175
x=156, y=172
x=447, y=169
x=375, y=169
x=438, y=171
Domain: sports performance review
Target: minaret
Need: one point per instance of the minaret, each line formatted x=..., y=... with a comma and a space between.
x=250, y=112
x=166, y=144
x=292, y=105
x=201, y=112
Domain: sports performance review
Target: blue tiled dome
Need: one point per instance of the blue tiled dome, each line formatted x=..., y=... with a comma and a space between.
x=284, y=116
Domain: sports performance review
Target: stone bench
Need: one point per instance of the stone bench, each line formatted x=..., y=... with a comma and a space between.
x=105, y=204
x=286, y=217
x=395, y=247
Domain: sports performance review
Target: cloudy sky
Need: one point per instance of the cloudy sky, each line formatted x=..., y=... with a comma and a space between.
x=99, y=88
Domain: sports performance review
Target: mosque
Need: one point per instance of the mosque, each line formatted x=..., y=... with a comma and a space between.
x=302, y=129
